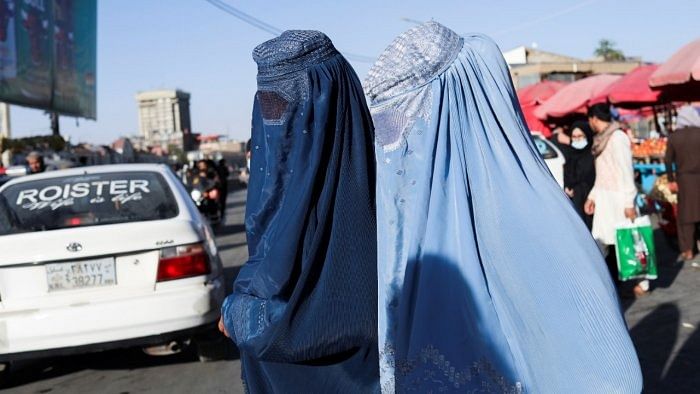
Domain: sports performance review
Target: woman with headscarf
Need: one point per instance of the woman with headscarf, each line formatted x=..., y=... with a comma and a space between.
x=304, y=307
x=489, y=281
x=683, y=150
x=579, y=170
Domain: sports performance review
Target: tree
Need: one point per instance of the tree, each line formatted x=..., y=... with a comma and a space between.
x=606, y=49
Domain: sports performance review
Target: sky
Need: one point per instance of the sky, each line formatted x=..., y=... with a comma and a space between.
x=194, y=46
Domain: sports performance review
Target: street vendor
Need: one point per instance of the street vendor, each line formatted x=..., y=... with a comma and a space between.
x=684, y=177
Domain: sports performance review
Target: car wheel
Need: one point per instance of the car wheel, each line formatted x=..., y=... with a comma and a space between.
x=211, y=345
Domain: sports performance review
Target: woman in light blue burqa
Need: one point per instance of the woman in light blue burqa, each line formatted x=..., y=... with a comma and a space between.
x=488, y=279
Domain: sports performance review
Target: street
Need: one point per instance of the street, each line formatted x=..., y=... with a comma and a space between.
x=663, y=326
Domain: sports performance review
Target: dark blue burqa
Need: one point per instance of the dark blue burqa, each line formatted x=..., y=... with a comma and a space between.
x=304, y=307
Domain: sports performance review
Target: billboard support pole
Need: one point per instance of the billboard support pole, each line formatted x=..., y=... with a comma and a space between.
x=55, y=130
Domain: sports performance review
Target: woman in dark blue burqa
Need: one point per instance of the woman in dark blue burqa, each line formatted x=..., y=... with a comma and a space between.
x=304, y=307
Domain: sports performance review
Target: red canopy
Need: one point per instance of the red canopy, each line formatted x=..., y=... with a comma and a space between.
x=682, y=67
x=574, y=97
x=531, y=97
x=632, y=90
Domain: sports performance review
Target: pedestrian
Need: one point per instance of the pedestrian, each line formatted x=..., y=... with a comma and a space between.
x=304, y=307
x=579, y=169
x=683, y=168
x=248, y=154
x=611, y=201
x=489, y=281
x=223, y=172
x=35, y=162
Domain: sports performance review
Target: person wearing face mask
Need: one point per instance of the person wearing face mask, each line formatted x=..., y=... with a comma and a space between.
x=579, y=170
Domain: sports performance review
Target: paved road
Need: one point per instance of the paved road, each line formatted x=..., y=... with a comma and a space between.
x=663, y=325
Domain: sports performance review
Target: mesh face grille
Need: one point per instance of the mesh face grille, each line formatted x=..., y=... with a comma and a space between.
x=394, y=121
x=272, y=105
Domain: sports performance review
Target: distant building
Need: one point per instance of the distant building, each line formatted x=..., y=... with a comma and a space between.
x=164, y=119
x=529, y=66
x=217, y=146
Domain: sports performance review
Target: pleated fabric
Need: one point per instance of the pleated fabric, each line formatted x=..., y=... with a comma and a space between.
x=488, y=279
x=303, y=311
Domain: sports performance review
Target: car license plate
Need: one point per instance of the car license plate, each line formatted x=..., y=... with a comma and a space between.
x=81, y=274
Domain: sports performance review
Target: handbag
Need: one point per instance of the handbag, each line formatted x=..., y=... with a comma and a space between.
x=635, y=249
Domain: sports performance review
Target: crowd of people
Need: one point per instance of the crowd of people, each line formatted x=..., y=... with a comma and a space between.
x=599, y=178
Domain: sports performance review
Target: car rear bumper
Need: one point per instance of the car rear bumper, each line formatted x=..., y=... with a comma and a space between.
x=175, y=308
x=152, y=340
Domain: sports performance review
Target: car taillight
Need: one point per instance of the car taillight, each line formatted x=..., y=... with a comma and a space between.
x=179, y=262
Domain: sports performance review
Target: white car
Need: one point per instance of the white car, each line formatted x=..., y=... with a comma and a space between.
x=552, y=157
x=100, y=257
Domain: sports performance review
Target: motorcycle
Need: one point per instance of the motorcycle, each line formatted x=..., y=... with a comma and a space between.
x=205, y=194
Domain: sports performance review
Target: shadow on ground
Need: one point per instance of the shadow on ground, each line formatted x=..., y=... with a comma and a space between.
x=655, y=337
x=667, y=369
x=668, y=269
x=229, y=229
x=24, y=372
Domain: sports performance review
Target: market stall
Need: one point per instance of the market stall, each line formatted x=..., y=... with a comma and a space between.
x=678, y=79
x=575, y=97
x=531, y=97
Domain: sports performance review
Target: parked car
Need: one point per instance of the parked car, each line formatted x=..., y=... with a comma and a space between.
x=552, y=156
x=102, y=257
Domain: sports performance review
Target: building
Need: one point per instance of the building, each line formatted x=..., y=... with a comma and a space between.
x=218, y=146
x=529, y=66
x=164, y=119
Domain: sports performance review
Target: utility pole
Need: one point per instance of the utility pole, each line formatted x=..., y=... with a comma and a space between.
x=5, y=120
x=55, y=130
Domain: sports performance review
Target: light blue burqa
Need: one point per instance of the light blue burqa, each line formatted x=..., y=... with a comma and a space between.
x=488, y=279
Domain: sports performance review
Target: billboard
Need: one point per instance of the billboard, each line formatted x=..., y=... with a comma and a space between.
x=48, y=55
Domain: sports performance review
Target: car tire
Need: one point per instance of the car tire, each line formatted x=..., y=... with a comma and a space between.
x=210, y=345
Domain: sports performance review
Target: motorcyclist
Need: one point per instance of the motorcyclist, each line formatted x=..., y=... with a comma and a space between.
x=205, y=180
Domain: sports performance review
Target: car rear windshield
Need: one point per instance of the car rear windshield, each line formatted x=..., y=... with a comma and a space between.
x=85, y=200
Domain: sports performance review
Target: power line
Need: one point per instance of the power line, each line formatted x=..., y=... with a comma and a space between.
x=249, y=19
x=547, y=17
x=264, y=26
